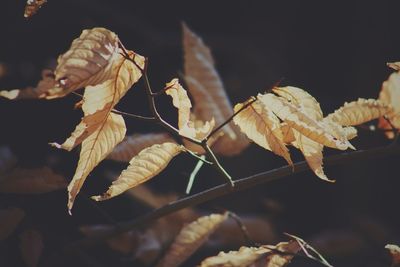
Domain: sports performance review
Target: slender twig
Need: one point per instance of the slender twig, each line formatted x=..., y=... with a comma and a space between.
x=200, y=158
x=139, y=117
x=194, y=174
x=215, y=130
x=217, y=165
x=242, y=227
x=240, y=185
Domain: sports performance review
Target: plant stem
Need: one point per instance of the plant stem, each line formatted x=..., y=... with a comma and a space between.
x=225, y=189
x=210, y=154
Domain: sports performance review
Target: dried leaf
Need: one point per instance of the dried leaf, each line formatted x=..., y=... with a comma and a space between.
x=358, y=112
x=132, y=145
x=45, y=84
x=395, y=252
x=147, y=164
x=296, y=118
x=207, y=90
x=267, y=256
x=390, y=94
x=89, y=61
x=94, y=149
x=9, y=220
x=190, y=238
x=31, y=245
x=263, y=127
x=394, y=65
x=31, y=181
x=32, y=6
x=181, y=101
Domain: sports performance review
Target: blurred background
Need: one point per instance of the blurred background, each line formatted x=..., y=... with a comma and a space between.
x=336, y=51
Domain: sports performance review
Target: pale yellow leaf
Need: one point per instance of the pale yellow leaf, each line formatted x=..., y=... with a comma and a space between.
x=32, y=6
x=358, y=112
x=45, y=84
x=94, y=149
x=89, y=61
x=31, y=245
x=207, y=90
x=190, y=238
x=147, y=164
x=9, y=220
x=181, y=101
x=300, y=97
x=395, y=252
x=390, y=94
x=132, y=145
x=296, y=118
x=31, y=181
x=263, y=127
x=267, y=256
x=99, y=100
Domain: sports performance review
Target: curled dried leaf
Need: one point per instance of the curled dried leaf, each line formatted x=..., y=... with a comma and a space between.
x=31, y=181
x=147, y=164
x=190, y=238
x=263, y=127
x=132, y=145
x=390, y=94
x=268, y=256
x=296, y=118
x=394, y=65
x=358, y=112
x=32, y=7
x=181, y=101
x=94, y=149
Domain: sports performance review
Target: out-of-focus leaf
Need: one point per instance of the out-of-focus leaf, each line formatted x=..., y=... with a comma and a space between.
x=147, y=164
x=390, y=94
x=32, y=6
x=394, y=65
x=31, y=245
x=31, y=181
x=395, y=252
x=132, y=145
x=190, y=238
x=9, y=220
x=263, y=127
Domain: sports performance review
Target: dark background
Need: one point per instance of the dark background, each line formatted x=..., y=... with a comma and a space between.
x=336, y=51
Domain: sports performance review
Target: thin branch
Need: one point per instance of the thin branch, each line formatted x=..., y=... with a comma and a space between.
x=240, y=185
x=216, y=163
x=194, y=174
x=242, y=227
x=139, y=117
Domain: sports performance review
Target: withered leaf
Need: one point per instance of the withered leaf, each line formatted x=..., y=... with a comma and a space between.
x=31, y=245
x=44, y=85
x=31, y=181
x=394, y=65
x=132, y=145
x=395, y=252
x=300, y=121
x=263, y=127
x=390, y=94
x=32, y=6
x=190, y=238
x=9, y=220
x=358, y=112
x=147, y=164
x=94, y=149
x=207, y=90
x=267, y=256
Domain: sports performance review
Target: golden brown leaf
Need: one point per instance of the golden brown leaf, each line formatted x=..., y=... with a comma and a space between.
x=395, y=252
x=390, y=94
x=267, y=256
x=296, y=118
x=181, y=101
x=89, y=61
x=207, y=90
x=94, y=149
x=147, y=164
x=132, y=145
x=190, y=238
x=31, y=181
x=394, y=65
x=32, y=6
x=31, y=245
x=358, y=112
x=9, y=220
x=45, y=84
x=263, y=127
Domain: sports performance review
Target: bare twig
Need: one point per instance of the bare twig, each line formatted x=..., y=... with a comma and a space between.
x=194, y=174
x=242, y=227
x=139, y=117
x=240, y=185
